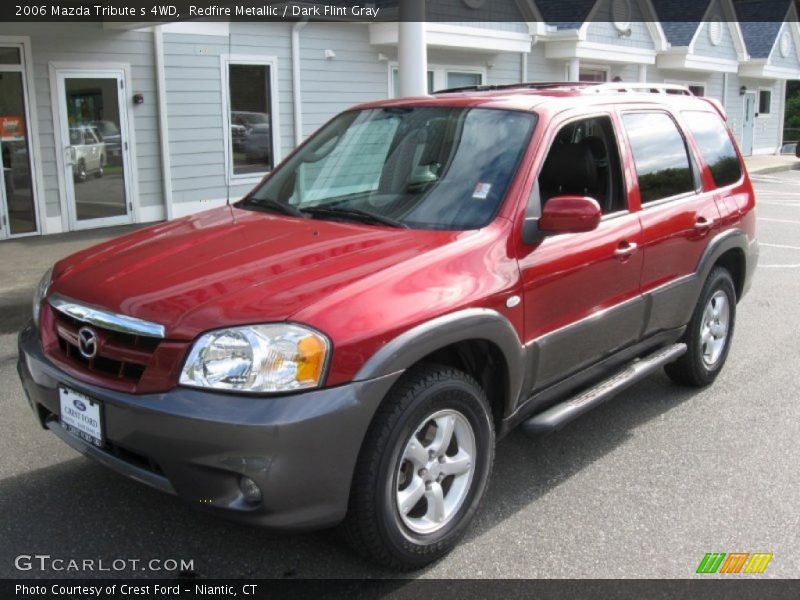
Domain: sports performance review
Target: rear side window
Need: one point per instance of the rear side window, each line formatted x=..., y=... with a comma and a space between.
x=660, y=154
x=715, y=145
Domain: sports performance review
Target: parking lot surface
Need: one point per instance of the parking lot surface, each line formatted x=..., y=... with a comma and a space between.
x=642, y=487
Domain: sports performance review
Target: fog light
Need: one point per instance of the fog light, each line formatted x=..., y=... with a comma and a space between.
x=250, y=490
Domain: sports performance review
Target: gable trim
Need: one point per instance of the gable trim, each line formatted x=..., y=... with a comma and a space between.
x=791, y=25
x=729, y=14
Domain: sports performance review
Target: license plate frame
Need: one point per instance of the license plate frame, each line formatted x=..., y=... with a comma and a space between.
x=81, y=416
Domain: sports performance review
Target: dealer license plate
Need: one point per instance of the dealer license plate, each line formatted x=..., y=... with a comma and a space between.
x=81, y=416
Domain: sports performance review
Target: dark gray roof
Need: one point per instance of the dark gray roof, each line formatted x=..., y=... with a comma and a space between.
x=761, y=22
x=565, y=14
x=680, y=18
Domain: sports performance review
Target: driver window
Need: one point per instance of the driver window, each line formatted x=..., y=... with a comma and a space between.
x=584, y=160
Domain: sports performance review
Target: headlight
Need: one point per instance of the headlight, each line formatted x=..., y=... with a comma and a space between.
x=41, y=291
x=257, y=358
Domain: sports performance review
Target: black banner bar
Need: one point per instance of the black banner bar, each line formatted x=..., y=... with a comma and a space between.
x=463, y=589
x=562, y=13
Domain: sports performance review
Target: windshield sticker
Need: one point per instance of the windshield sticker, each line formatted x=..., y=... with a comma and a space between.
x=482, y=191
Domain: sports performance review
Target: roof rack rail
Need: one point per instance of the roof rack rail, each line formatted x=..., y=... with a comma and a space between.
x=583, y=86
x=651, y=88
x=538, y=85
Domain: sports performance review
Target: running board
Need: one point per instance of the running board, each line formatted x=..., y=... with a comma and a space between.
x=557, y=416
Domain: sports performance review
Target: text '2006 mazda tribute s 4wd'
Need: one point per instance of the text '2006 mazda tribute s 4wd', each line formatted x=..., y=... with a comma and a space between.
x=348, y=341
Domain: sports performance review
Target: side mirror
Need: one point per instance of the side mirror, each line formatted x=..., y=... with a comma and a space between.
x=570, y=214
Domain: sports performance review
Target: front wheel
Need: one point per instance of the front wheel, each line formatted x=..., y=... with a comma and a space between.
x=81, y=174
x=708, y=336
x=423, y=469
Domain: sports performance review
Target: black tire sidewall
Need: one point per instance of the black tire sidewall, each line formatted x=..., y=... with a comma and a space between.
x=452, y=394
x=719, y=280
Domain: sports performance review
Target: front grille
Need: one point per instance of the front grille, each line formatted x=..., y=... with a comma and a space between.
x=120, y=356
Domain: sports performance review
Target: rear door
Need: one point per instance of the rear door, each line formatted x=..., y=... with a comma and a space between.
x=678, y=214
x=721, y=162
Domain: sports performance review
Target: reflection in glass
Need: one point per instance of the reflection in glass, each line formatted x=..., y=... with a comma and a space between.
x=14, y=146
x=95, y=150
x=251, y=130
x=659, y=152
x=9, y=56
x=715, y=145
x=425, y=167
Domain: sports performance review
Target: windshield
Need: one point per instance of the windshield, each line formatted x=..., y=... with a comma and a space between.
x=424, y=168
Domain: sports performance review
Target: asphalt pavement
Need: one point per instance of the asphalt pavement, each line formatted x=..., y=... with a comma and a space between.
x=643, y=486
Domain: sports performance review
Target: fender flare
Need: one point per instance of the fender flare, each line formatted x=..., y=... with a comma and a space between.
x=732, y=239
x=413, y=345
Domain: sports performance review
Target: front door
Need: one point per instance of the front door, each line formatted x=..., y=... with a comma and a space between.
x=582, y=300
x=94, y=141
x=748, y=123
x=17, y=202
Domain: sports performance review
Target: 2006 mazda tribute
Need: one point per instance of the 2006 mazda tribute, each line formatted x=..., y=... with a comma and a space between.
x=348, y=341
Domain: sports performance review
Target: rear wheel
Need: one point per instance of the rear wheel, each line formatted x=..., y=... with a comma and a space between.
x=423, y=469
x=708, y=337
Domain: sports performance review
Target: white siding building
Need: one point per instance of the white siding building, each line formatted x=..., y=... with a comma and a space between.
x=118, y=124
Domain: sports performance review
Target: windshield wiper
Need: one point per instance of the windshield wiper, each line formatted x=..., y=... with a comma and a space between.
x=354, y=214
x=275, y=206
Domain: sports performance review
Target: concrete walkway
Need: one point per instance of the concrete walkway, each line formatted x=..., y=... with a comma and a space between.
x=771, y=163
x=25, y=260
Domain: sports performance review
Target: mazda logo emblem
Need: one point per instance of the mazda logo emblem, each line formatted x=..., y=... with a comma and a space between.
x=87, y=342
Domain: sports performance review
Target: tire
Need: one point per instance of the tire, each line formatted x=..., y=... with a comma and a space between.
x=101, y=169
x=81, y=175
x=374, y=525
x=705, y=357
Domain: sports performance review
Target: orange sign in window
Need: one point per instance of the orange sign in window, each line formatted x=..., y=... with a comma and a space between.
x=12, y=127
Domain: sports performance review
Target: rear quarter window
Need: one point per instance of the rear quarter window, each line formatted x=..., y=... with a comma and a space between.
x=660, y=155
x=715, y=146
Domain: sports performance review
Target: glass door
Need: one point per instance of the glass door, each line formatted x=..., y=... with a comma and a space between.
x=17, y=203
x=95, y=148
x=748, y=124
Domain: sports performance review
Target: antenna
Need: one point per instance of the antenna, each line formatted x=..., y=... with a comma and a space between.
x=227, y=123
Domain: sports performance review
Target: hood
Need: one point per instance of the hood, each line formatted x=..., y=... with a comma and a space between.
x=229, y=267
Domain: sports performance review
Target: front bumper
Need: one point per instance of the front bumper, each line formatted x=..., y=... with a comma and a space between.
x=300, y=449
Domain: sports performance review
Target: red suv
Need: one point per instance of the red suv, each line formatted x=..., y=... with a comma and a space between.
x=348, y=341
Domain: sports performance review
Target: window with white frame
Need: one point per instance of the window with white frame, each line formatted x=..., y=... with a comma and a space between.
x=251, y=102
x=764, y=102
x=440, y=78
x=697, y=89
x=395, y=91
x=457, y=79
x=595, y=75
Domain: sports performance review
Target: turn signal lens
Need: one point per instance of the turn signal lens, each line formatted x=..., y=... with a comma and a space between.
x=310, y=359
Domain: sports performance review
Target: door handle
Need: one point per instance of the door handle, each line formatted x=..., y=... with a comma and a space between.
x=703, y=224
x=626, y=249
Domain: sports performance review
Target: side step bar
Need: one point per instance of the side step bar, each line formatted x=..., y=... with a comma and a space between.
x=557, y=416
